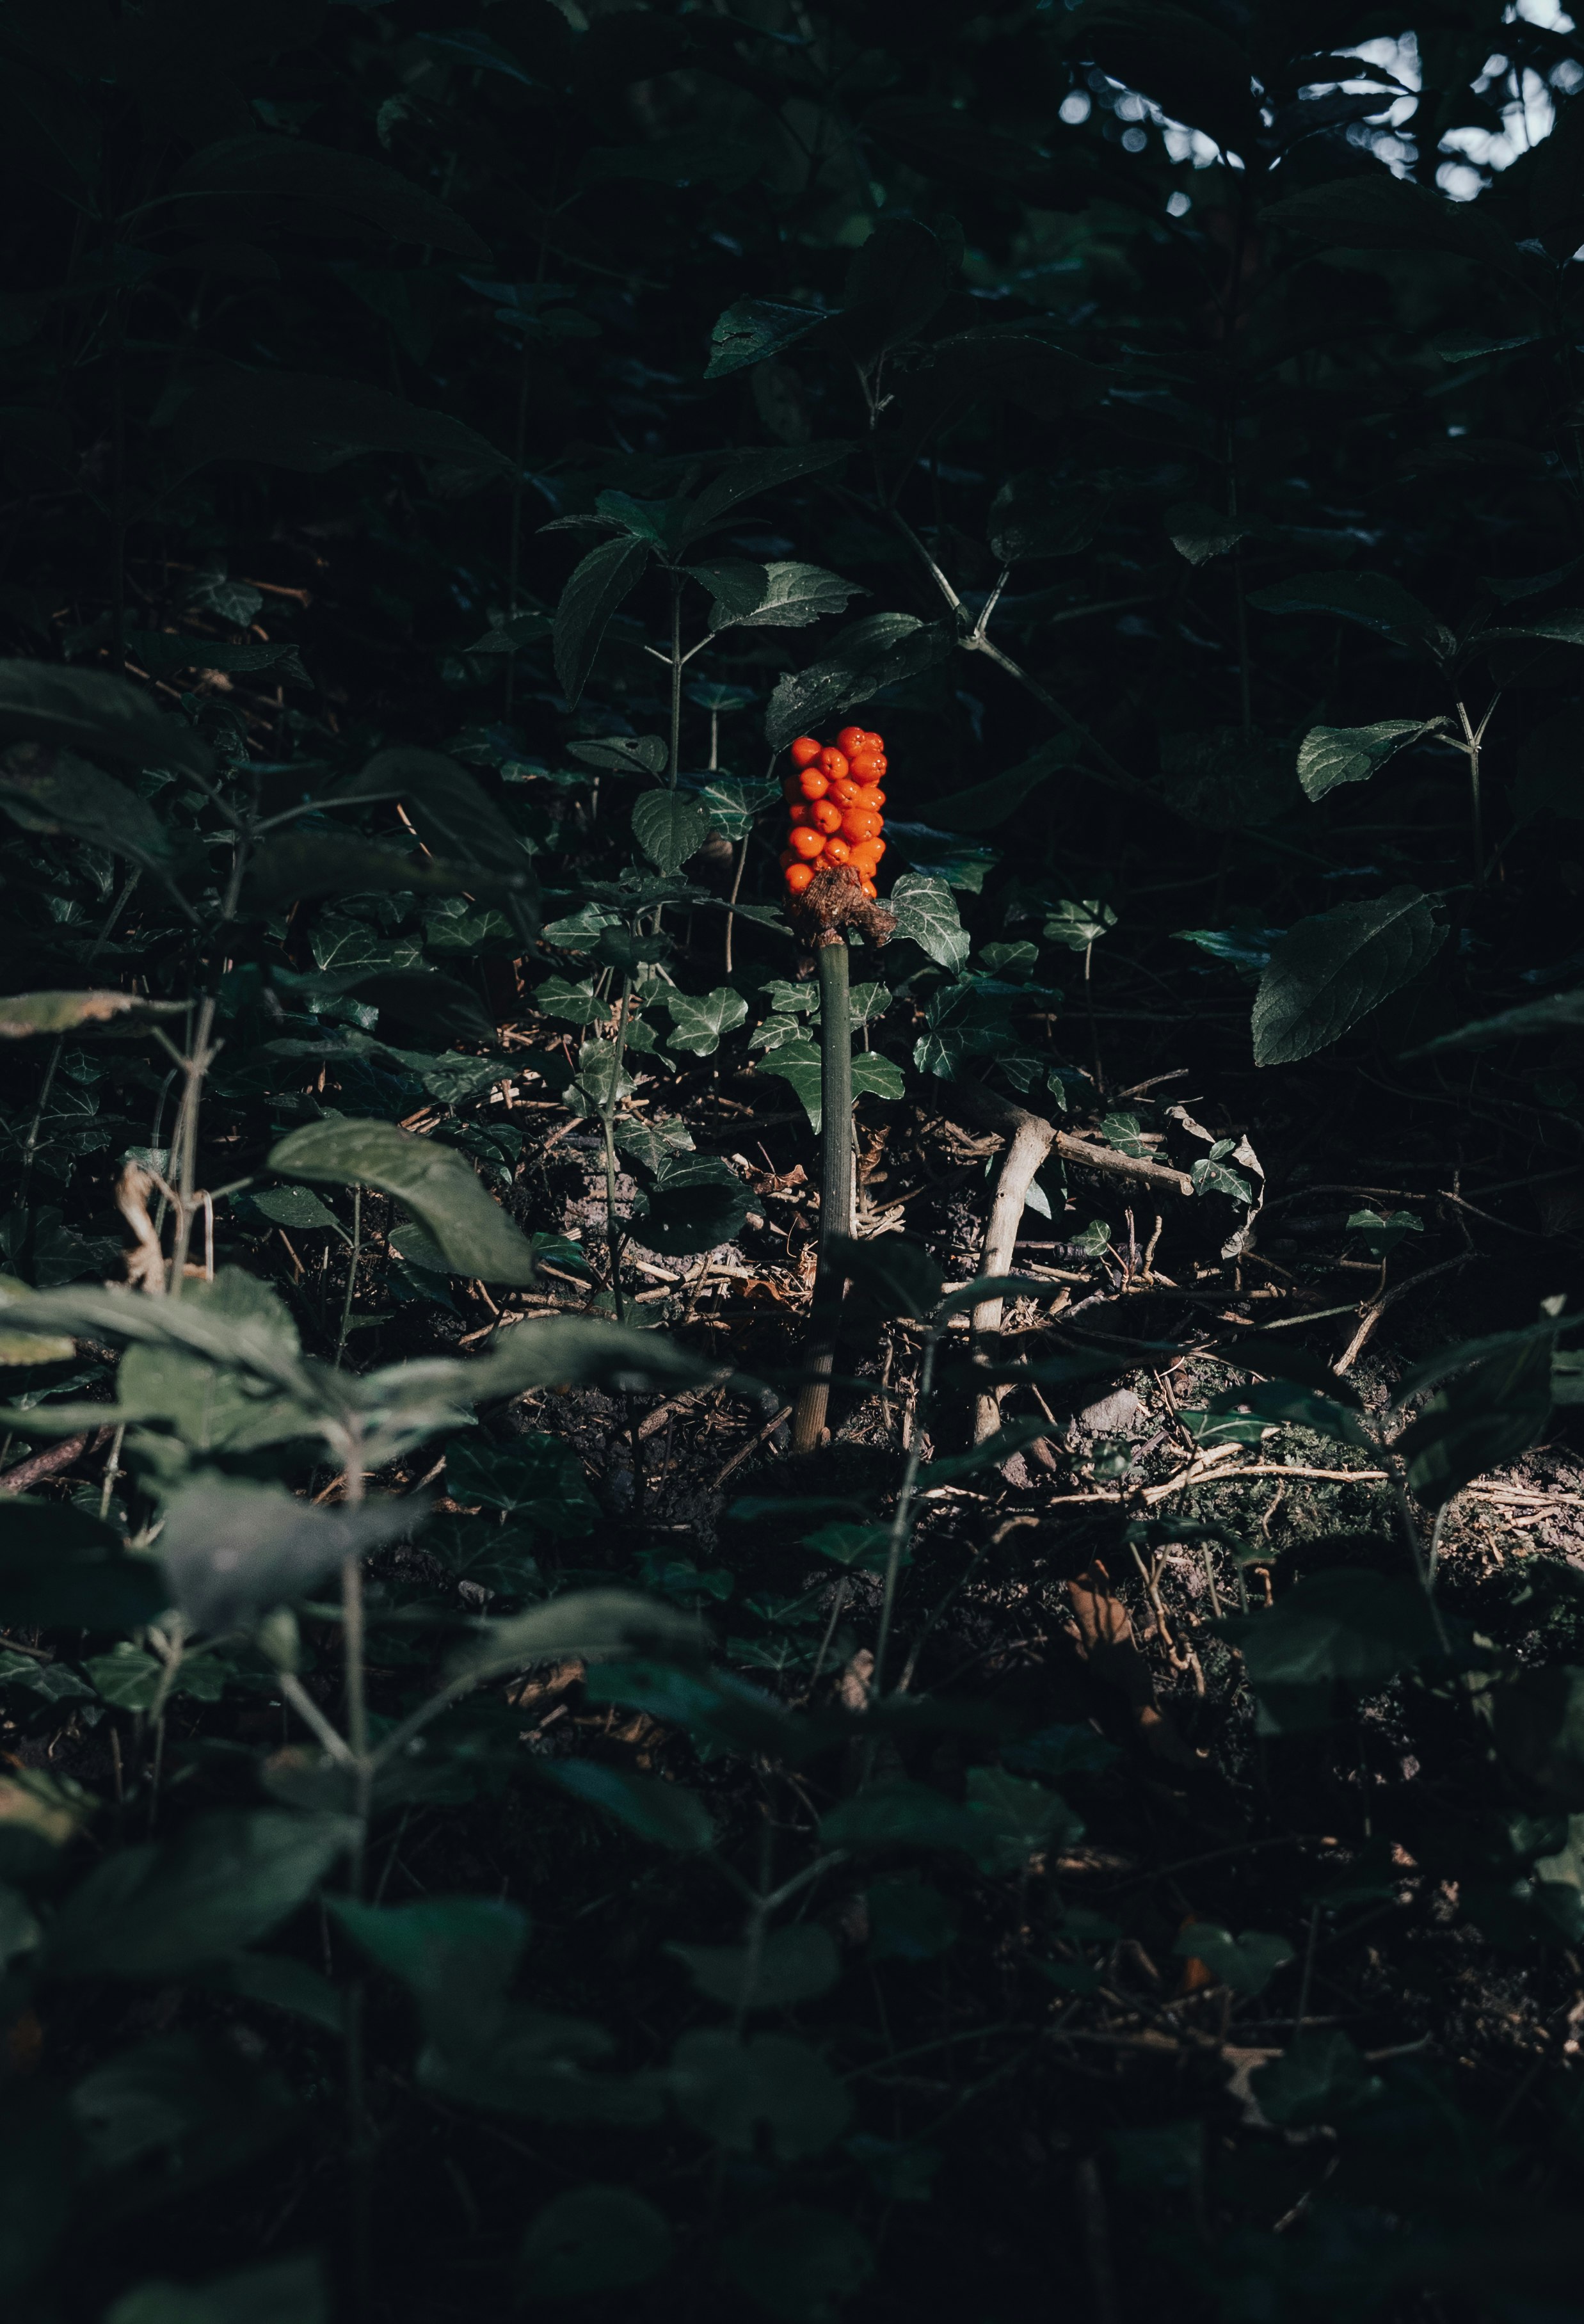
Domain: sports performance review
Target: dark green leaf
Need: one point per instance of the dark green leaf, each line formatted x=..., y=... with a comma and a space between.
x=85, y=710
x=593, y=2239
x=231, y=1548
x=898, y=279
x=666, y=1814
x=292, y=170
x=1329, y=972
x=1377, y=211
x=314, y=422
x=284, y=2291
x=438, y=1186
x=1200, y=534
x=697, y=1204
x=1247, y=1963
x=727, y=2088
x=748, y=473
x=790, y=1965
x=1038, y=515
x=799, y=2264
x=607, y=574
x=592, y=1624
x=897, y=1276
x=926, y=911
x=1329, y=756
x=227, y=1881
x=534, y=1476
x=1372, y=599
x=1555, y=1013
x=1343, y=1629
x=982, y=806
x=754, y=330
x=48, y=790
x=670, y=829
x=868, y=656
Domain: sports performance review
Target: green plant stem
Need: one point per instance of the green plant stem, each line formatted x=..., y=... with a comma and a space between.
x=350, y=1269
x=608, y=1127
x=902, y=1518
x=676, y=753
x=835, y=1187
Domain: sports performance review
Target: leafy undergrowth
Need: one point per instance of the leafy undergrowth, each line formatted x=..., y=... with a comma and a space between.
x=485, y=1821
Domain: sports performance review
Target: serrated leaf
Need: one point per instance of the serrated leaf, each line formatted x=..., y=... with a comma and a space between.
x=785, y=596
x=1374, y=600
x=1331, y=971
x=436, y=1183
x=754, y=330
x=869, y=655
x=926, y=911
x=607, y=574
x=669, y=828
x=622, y=755
x=1200, y=534
x=1329, y=756
x=749, y=474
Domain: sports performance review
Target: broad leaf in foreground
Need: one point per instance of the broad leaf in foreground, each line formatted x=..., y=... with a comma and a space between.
x=438, y=1186
x=1331, y=971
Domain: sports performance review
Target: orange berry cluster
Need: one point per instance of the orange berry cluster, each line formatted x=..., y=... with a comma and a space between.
x=833, y=802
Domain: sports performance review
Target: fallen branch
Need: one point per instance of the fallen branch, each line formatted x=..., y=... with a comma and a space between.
x=48, y=1463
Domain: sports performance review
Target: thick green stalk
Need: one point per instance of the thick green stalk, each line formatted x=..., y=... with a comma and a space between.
x=835, y=1186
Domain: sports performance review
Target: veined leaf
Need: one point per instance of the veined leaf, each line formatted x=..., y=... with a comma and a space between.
x=753, y=330
x=1329, y=972
x=606, y=575
x=1374, y=600
x=1557, y=1010
x=1329, y=756
x=295, y=169
x=670, y=829
x=85, y=710
x=438, y=1186
x=871, y=654
x=232, y=1548
x=314, y=422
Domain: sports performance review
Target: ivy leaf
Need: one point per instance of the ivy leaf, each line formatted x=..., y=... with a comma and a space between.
x=753, y=330
x=1078, y=922
x=732, y=801
x=437, y=1184
x=698, y=1021
x=607, y=574
x=1329, y=756
x=926, y=911
x=670, y=829
x=1329, y=972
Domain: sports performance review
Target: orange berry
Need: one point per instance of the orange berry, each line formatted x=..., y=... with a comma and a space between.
x=832, y=764
x=825, y=815
x=797, y=877
x=873, y=742
x=856, y=825
x=867, y=766
x=813, y=784
x=878, y=845
x=837, y=851
x=845, y=791
x=806, y=751
x=862, y=854
x=802, y=811
x=870, y=891
x=870, y=798
x=850, y=739
x=808, y=842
